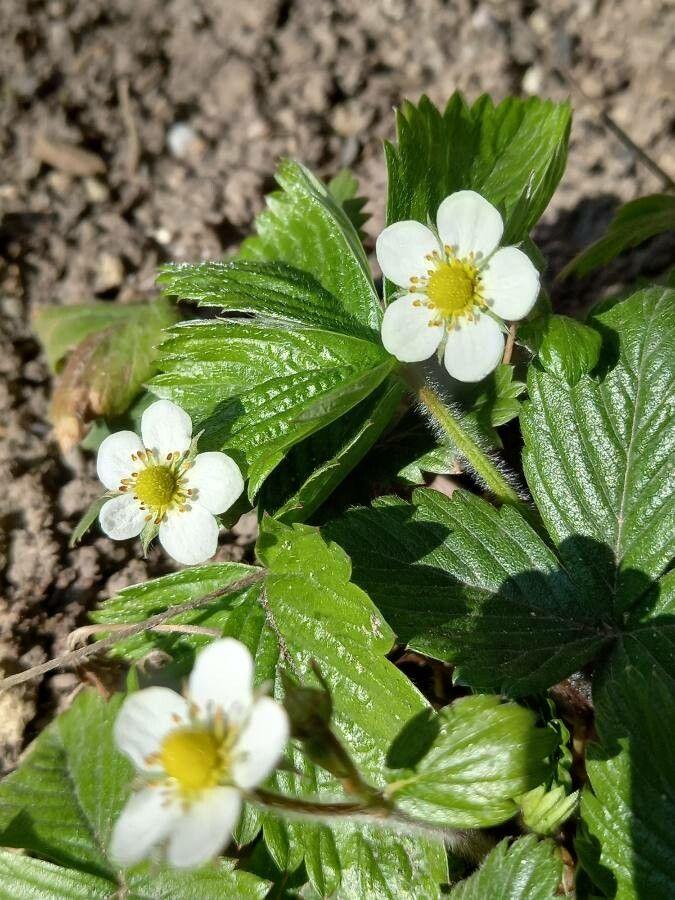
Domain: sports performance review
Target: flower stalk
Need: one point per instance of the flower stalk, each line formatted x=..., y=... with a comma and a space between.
x=489, y=473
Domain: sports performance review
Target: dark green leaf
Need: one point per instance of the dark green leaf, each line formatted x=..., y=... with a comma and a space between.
x=513, y=154
x=525, y=870
x=249, y=386
x=305, y=227
x=314, y=467
x=344, y=188
x=627, y=843
x=569, y=349
x=633, y=223
x=485, y=755
x=599, y=456
x=460, y=580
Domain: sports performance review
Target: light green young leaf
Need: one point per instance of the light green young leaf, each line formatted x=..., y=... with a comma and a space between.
x=484, y=755
x=513, y=154
x=545, y=811
x=305, y=227
x=526, y=870
x=462, y=581
x=249, y=386
x=633, y=223
x=599, y=455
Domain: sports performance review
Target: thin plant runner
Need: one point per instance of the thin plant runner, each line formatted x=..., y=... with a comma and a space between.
x=458, y=287
x=195, y=755
x=163, y=486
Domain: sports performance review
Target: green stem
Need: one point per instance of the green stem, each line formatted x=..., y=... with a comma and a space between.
x=468, y=448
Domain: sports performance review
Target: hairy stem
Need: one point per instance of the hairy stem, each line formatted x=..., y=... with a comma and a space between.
x=75, y=657
x=478, y=461
x=471, y=844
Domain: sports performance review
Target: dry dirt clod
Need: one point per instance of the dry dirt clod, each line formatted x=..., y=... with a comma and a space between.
x=67, y=157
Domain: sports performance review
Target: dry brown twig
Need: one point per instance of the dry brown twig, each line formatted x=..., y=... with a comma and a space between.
x=76, y=657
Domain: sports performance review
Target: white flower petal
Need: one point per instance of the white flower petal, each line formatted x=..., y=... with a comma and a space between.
x=474, y=349
x=145, y=719
x=122, y=517
x=191, y=537
x=222, y=678
x=145, y=821
x=166, y=428
x=204, y=830
x=261, y=743
x=114, y=462
x=510, y=283
x=468, y=222
x=401, y=249
x=217, y=479
x=406, y=330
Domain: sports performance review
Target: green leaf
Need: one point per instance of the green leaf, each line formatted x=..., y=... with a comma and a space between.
x=598, y=455
x=344, y=188
x=545, y=811
x=513, y=154
x=316, y=466
x=61, y=804
x=258, y=391
x=305, y=227
x=484, y=756
x=569, y=349
x=633, y=223
x=269, y=290
x=525, y=870
x=24, y=878
x=306, y=609
x=62, y=801
x=462, y=581
x=87, y=520
x=627, y=843
x=113, y=354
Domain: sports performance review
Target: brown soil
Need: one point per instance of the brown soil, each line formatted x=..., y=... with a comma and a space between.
x=135, y=131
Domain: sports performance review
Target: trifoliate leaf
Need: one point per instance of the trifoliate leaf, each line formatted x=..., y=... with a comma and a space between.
x=307, y=609
x=568, y=349
x=305, y=227
x=599, y=455
x=256, y=391
x=484, y=756
x=545, y=811
x=61, y=804
x=112, y=353
x=633, y=223
x=462, y=581
x=525, y=870
x=513, y=154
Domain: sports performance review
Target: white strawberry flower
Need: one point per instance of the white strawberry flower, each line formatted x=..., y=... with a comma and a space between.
x=159, y=481
x=195, y=756
x=458, y=285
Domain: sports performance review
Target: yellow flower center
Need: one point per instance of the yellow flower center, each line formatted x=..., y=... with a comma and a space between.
x=193, y=757
x=156, y=486
x=454, y=288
